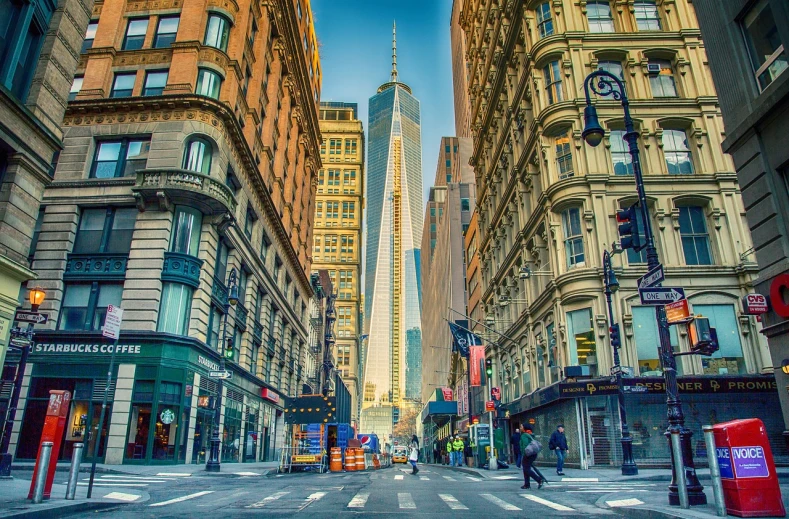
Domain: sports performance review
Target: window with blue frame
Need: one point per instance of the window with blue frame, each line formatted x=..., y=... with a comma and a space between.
x=105, y=230
x=155, y=81
x=582, y=345
x=135, y=34
x=120, y=157
x=90, y=35
x=123, y=84
x=729, y=359
x=175, y=309
x=22, y=29
x=187, y=226
x=645, y=333
x=84, y=305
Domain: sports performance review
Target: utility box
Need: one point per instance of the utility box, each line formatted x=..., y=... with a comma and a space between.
x=750, y=483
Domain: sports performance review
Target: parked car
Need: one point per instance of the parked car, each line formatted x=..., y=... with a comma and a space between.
x=400, y=454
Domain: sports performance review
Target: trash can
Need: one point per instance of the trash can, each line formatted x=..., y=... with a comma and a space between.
x=750, y=483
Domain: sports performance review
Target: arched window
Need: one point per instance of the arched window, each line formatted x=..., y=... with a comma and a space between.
x=544, y=20
x=647, y=17
x=677, y=152
x=573, y=239
x=553, y=82
x=208, y=83
x=599, y=16
x=620, y=154
x=197, y=155
x=217, y=31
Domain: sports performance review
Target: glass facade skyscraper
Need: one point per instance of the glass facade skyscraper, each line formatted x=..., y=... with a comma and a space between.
x=393, y=305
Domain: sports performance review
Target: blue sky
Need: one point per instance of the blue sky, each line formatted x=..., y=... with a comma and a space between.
x=355, y=42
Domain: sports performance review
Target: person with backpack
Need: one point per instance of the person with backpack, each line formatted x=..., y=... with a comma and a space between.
x=530, y=448
x=558, y=444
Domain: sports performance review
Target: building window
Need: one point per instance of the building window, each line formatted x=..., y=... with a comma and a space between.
x=197, y=156
x=645, y=334
x=620, y=154
x=677, y=152
x=220, y=269
x=635, y=257
x=695, y=238
x=663, y=84
x=105, y=230
x=76, y=86
x=564, y=156
x=166, y=31
x=187, y=226
x=544, y=20
x=121, y=158
x=573, y=239
x=85, y=305
x=214, y=324
x=155, y=81
x=553, y=82
x=243, y=279
x=249, y=223
x=265, y=243
x=465, y=204
x=599, y=16
x=729, y=359
x=209, y=83
x=583, y=349
x=647, y=17
x=175, y=309
x=123, y=85
x=615, y=69
x=135, y=34
x=22, y=29
x=217, y=32
x=90, y=35
x=253, y=361
x=767, y=52
x=350, y=146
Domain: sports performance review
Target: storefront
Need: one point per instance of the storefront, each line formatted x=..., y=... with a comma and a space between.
x=590, y=414
x=160, y=406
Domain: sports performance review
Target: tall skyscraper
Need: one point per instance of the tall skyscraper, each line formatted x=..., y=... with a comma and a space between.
x=394, y=233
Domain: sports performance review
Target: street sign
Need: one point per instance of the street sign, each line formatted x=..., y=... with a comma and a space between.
x=679, y=312
x=495, y=393
x=652, y=278
x=221, y=374
x=616, y=370
x=752, y=304
x=661, y=295
x=30, y=317
x=490, y=406
x=112, y=323
x=20, y=343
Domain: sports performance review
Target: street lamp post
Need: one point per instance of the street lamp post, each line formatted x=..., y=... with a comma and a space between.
x=604, y=83
x=213, y=464
x=629, y=467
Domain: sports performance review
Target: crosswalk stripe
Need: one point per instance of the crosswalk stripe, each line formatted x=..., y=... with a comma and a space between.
x=154, y=478
x=405, y=500
x=183, y=498
x=359, y=500
x=399, y=476
x=174, y=474
x=549, y=504
x=499, y=502
x=602, y=491
x=585, y=480
x=124, y=481
x=476, y=480
x=452, y=503
x=449, y=478
x=316, y=496
x=424, y=478
x=625, y=502
x=81, y=484
x=120, y=496
x=272, y=497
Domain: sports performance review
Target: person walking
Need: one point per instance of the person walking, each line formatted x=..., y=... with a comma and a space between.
x=457, y=448
x=529, y=455
x=558, y=444
x=413, y=455
x=450, y=454
x=515, y=441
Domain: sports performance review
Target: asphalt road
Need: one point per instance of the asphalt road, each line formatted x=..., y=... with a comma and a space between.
x=434, y=492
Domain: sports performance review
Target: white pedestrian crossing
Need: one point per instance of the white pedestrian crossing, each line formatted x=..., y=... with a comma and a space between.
x=499, y=502
x=405, y=501
x=120, y=496
x=449, y=478
x=399, y=476
x=183, y=498
x=125, y=480
x=359, y=500
x=452, y=503
x=549, y=504
x=424, y=478
x=475, y=480
x=269, y=499
x=624, y=502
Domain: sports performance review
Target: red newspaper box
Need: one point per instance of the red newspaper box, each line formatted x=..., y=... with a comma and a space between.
x=54, y=424
x=750, y=484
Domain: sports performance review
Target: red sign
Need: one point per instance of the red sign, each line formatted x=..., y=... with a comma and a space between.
x=269, y=395
x=477, y=355
x=677, y=312
x=495, y=393
x=54, y=423
x=447, y=392
x=779, y=285
x=754, y=304
x=489, y=405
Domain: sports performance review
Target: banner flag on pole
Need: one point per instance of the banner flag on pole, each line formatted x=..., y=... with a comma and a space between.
x=475, y=359
x=463, y=339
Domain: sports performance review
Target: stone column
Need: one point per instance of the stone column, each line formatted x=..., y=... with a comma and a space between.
x=119, y=419
x=20, y=410
x=190, y=440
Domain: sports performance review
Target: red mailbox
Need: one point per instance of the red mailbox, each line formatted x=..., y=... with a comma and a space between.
x=750, y=484
x=54, y=423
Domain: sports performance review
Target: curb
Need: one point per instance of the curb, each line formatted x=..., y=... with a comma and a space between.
x=48, y=513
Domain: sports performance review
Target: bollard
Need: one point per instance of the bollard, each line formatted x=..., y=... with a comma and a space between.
x=679, y=469
x=73, y=475
x=43, y=469
x=715, y=471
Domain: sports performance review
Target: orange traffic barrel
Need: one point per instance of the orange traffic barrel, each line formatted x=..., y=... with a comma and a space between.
x=350, y=459
x=359, y=459
x=335, y=461
x=376, y=462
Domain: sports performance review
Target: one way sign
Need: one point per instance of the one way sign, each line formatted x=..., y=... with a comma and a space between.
x=661, y=295
x=30, y=317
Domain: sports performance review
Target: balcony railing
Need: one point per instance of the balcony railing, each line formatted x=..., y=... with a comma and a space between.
x=271, y=345
x=219, y=293
x=241, y=316
x=181, y=268
x=180, y=186
x=257, y=331
x=99, y=265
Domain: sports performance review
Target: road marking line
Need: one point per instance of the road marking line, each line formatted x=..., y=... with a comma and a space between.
x=505, y=477
x=476, y=480
x=80, y=484
x=588, y=480
x=183, y=498
x=499, y=502
x=107, y=476
x=625, y=502
x=268, y=499
x=246, y=473
x=599, y=491
x=174, y=474
x=549, y=504
x=215, y=500
x=359, y=500
x=449, y=478
x=452, y=503
x=405, y=500
x=120, y=496
x=121, y=481
x=316, y=496
x=399, y=476
x=424, y=478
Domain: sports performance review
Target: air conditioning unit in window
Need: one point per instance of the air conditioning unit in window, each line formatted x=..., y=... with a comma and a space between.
x=653, y=69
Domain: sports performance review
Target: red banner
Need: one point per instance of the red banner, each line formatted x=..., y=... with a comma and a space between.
x=476, y=356
x=447, y=391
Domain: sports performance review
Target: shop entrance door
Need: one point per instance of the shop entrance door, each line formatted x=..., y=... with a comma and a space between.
x=93, y=432
x=598, y=430
x=202, y=438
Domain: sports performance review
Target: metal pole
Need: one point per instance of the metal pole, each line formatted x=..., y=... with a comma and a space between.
x=73, y=475
x=97, y=439
x=715, y=471
x=43, y=469
x=213, y=464
x=6, y=457
x=676, y=448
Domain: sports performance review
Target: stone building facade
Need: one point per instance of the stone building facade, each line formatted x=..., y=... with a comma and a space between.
x=337, y=240
x=546, y=205
x=191, y=152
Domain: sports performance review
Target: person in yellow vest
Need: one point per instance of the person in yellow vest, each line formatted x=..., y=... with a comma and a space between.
x=449, y=452
x=457, y=448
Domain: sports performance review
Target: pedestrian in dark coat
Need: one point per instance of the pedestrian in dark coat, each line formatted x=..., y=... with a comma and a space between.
x=558, y=444
x=515, y=441
x=528, y=470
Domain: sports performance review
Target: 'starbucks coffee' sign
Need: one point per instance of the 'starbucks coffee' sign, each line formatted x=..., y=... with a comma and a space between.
x=44, y=347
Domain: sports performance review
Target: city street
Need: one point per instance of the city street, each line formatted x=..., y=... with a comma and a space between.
x=434, y=492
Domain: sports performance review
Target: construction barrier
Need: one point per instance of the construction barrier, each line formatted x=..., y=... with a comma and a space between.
x=376, y=462
x=335, y=462
x=350, y=459
x=360, y=465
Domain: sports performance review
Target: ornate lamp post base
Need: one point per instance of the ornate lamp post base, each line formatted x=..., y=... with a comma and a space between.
x=696, y=495
x=629, y=467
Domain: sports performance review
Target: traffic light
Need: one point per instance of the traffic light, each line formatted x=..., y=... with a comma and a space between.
x=614, y=334
x=483, y=378
x=489, y=367
x=229, y=348
x=629, y=237
x=703, y=338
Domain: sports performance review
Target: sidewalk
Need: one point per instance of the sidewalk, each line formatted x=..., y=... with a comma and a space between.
x=227, y=469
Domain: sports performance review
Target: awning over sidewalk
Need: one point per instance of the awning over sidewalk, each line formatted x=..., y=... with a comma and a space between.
x=434, y=411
